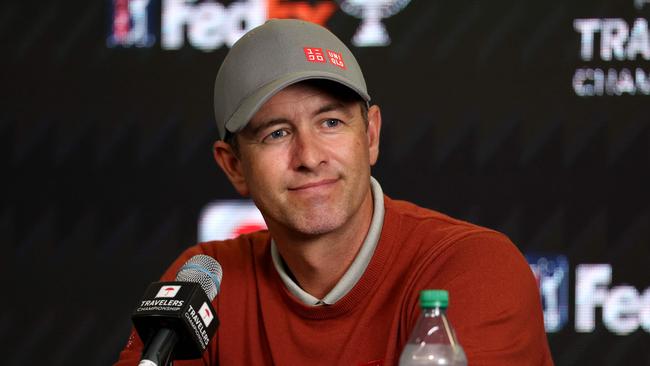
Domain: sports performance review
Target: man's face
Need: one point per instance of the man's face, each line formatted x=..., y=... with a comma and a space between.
x=305, y=159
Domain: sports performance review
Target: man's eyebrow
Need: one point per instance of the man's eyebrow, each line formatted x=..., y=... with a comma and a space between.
x=253, y=131
x=335, y=106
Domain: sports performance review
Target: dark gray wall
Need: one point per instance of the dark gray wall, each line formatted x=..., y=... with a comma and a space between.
x=106, y=154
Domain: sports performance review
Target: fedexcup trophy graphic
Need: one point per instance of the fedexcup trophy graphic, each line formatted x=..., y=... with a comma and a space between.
x=372, y=31
x=639, y=4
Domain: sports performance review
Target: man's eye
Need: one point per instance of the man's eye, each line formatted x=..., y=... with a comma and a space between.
x=332, y=122
x=276, y=135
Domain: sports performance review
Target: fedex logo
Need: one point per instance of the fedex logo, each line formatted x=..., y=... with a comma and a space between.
x=625, y=308
x=168, y=291
x=210, y=25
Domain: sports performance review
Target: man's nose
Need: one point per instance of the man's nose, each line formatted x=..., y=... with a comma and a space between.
x=308, y=151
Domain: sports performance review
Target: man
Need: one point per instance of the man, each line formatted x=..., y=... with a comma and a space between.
x=335, y=279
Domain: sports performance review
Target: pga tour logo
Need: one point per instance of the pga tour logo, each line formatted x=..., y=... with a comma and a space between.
x=131, y=24
x=168, y=291
x=209, y=25
x=552, y=275
x=205, y=314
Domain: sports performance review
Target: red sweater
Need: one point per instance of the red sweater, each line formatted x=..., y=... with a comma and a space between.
x=495, y=306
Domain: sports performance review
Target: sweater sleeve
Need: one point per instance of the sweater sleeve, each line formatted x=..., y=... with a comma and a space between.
x=495, y=306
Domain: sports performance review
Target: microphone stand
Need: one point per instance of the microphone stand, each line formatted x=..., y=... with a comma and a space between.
x=159, y=350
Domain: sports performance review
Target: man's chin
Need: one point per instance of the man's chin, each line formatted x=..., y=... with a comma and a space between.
x=318, y=224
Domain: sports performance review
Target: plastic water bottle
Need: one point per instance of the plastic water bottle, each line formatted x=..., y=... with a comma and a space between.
x=433, y=341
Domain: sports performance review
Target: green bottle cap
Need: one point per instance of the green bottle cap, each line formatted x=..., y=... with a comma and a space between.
x=434, y=299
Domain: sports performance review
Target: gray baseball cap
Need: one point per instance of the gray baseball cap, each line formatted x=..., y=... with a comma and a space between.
x=273, y=56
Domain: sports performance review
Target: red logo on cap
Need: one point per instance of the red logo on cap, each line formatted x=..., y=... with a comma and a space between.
x=314, y=54
x=336, y=58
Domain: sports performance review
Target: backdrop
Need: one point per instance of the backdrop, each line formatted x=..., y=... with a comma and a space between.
x=530, y=117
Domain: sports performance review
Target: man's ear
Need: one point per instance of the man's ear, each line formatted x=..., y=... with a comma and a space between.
x=373, y=131
x=229, y=162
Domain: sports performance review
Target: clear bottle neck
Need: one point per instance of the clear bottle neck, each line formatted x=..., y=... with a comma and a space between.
x=435, y=311
x=436, y=327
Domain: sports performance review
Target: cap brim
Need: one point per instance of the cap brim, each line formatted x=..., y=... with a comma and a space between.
x=254, y=102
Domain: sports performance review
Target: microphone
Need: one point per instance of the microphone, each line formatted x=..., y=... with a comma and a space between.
x=175, y=318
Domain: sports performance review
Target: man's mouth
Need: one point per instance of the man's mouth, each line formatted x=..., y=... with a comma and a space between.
x=314, y=184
